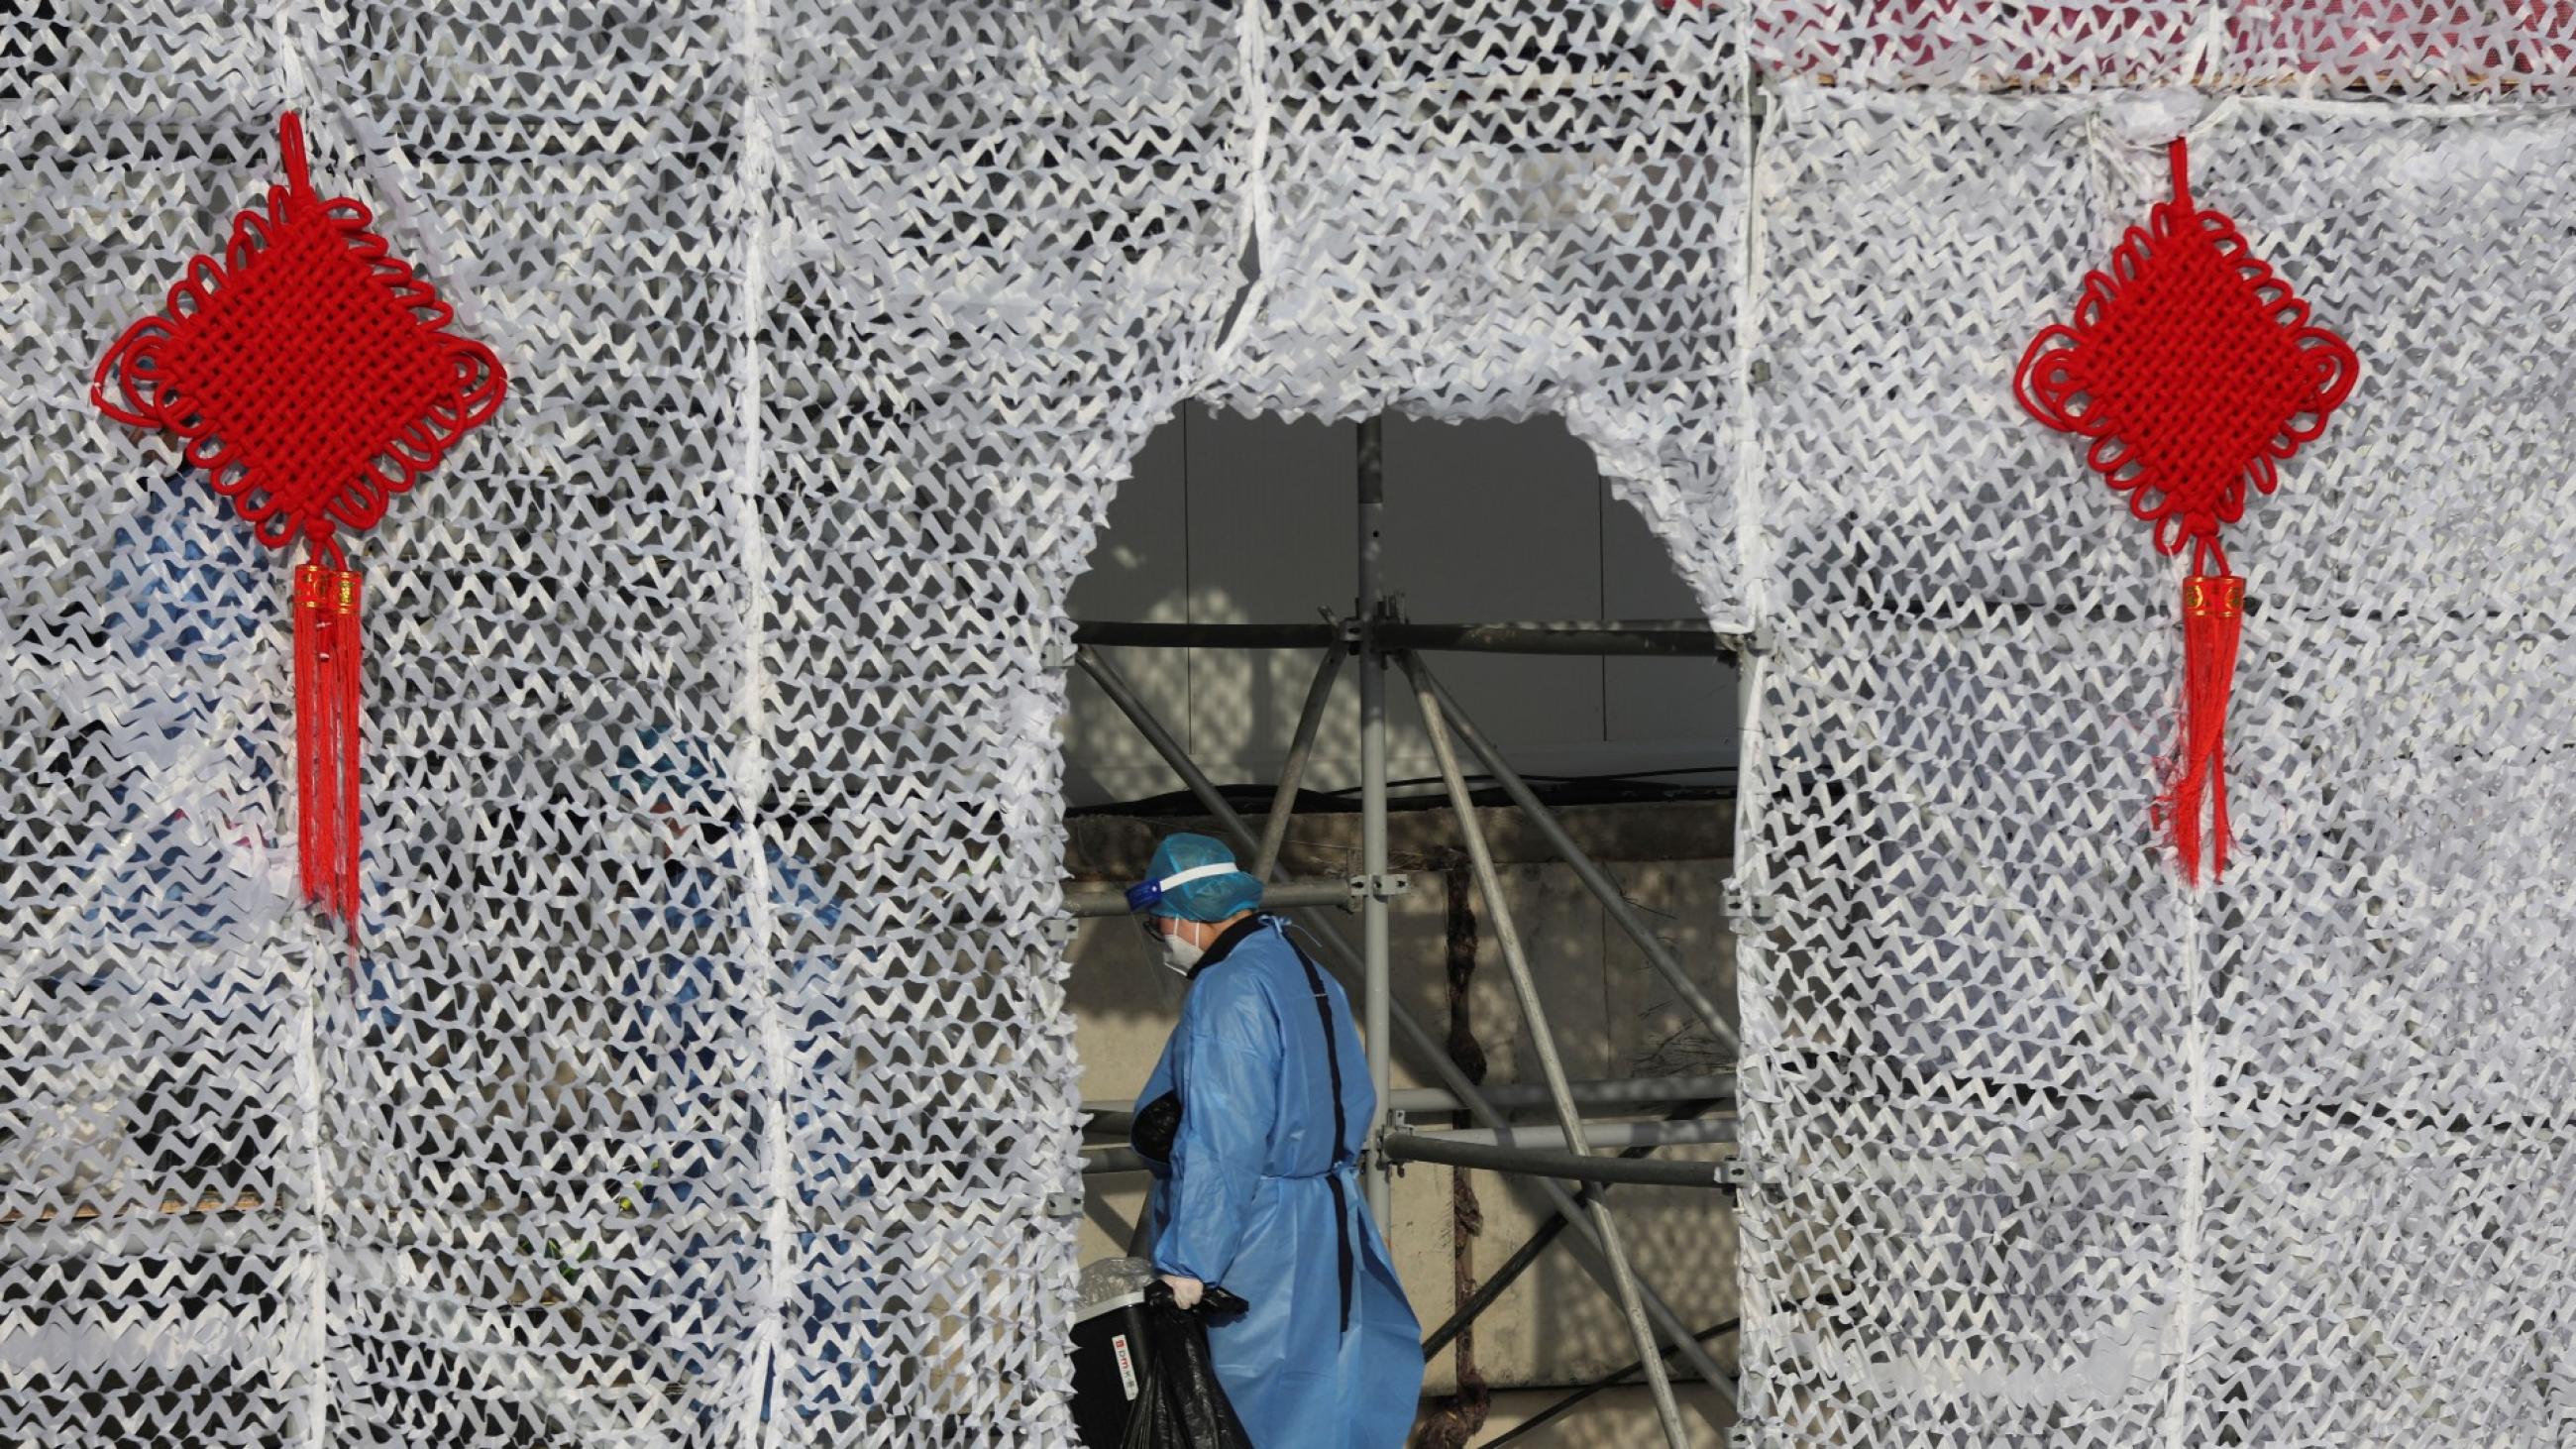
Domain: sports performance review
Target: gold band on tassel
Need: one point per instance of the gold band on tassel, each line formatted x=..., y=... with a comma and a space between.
x=328, y=591
x=2213, y=596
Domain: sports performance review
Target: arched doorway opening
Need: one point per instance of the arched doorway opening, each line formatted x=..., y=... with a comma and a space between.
x=1592, y=719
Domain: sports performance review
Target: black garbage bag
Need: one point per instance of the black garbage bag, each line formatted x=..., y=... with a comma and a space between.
x=1179, y=1404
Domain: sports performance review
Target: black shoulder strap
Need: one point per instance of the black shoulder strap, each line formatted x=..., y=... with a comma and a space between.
x=1341, y=1120
x=1332, y=1042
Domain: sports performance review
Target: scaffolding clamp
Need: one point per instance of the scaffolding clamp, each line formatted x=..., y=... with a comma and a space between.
x=1377, y=1156
x=1747, y=1434
x=1064, y=1204
x=1058, y=931
x=1747, y=914
x=1737, y=1171
x=1379, y=887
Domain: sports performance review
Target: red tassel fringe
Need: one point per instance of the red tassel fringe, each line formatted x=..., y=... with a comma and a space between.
x=2213, y=617
x=326, y=736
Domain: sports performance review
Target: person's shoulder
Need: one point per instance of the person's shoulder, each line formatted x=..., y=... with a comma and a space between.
x=1265, y=959
x=1281, y=962
x=1267, y=944
x=1233, y=979
x=1236, y=989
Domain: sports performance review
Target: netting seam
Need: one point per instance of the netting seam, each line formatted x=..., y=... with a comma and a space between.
x=287, y=21
x=308, y=1085
x=2188, y=1225
x=1749, y=537
x=1253, y=218
x=1752, y=678
x=2208, y=41
x=755, y=174
x=302, y=88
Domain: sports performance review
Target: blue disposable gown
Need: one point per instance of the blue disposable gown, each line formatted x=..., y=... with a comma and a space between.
x=1261, y=1195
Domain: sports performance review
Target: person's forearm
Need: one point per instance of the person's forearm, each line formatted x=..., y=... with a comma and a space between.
x=1205, y=1228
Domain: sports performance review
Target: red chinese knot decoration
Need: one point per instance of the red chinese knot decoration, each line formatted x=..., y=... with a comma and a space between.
x=311, y=377
x=2194, y=370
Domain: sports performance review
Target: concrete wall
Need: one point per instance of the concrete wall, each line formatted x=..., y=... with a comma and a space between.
x=1612, y=1017
x=1251, y=520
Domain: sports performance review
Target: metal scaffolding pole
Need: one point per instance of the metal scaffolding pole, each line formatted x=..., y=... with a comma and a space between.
x=1586, y=869
x=1543, y=1039
x=1683, y=638
x=1500, y=1281
x=1599, y=1135
x=1374, y=948
x=1476, y=1148
x=1546, y=1138
x=1087, y=901
x=1680, y=638
x=1283, y=801
x=1574, y=1167
x=1587, y=1243
x=1619, y=1096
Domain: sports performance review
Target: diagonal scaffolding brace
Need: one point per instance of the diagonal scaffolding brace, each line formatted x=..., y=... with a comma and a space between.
x=1586, y=1245
x=1438, y=703
x=1623, y=1277
x=1554, y=1160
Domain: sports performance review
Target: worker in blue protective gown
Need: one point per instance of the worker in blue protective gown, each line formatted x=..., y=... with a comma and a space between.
x=1252, y=1123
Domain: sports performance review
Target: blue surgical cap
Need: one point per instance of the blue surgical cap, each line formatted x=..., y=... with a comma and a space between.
x=1210, y=898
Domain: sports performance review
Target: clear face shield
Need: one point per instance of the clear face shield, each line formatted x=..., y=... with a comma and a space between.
x=1175, y=952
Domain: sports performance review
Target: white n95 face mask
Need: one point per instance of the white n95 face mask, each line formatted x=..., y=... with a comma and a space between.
x=1179, y=955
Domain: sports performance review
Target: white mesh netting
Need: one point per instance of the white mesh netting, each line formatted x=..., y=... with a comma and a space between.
x=1494, y=210
x=705, y=1025
x=705, y=1074
x=2056, y=1152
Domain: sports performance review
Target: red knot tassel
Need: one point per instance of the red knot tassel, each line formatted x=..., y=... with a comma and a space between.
x=2213, y=616
x=326, y=736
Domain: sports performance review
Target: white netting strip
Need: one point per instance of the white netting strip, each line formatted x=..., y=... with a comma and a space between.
x=2420, y=49
x=158, y=1226
x=706, y=1071
x=1496, y=209
x=706, y=1022
x=1001, y=247
x=2059, y=1153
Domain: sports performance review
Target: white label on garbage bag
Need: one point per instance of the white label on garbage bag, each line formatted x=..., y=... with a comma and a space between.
x=1126, y=1365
